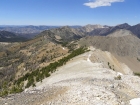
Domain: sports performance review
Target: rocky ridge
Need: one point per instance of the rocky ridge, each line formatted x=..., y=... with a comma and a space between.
x=82, y=81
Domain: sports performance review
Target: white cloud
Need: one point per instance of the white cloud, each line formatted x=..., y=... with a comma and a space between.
x=99, y=3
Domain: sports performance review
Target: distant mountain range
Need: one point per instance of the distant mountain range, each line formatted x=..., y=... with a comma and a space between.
x=67, y=32
x=107, y=30
x=26, y=29
x=91, y=30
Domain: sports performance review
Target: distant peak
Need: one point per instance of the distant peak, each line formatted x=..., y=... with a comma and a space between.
x=65, y=27
x=93, y=25
x=124, y=24
x=121, y=33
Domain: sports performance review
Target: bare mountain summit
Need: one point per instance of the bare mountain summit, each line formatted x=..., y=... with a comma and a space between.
x=121, y=33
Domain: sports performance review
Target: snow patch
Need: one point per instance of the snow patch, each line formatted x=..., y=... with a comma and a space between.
x=118, y=73
x=63, y=48
x=88, y=58
x=135, y=101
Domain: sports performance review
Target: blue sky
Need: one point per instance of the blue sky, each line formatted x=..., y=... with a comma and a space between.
x=69, y=12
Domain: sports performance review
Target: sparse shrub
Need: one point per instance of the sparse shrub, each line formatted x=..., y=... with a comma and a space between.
x=34, y=85
x=37, y=79
x=43, y=59
x=16, y=89
x=138, y=74
x=110, y=67
x=138, y=59
x=118, y=77
x=108, y=63
x=4, y=93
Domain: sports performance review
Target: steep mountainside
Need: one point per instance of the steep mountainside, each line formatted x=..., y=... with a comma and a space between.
x=29, y=55
x=121, y=42
x=64, y=34
x=20, y=59
x=136, y=30
x=6, y=36
x=107, y=30
x=124, y=45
